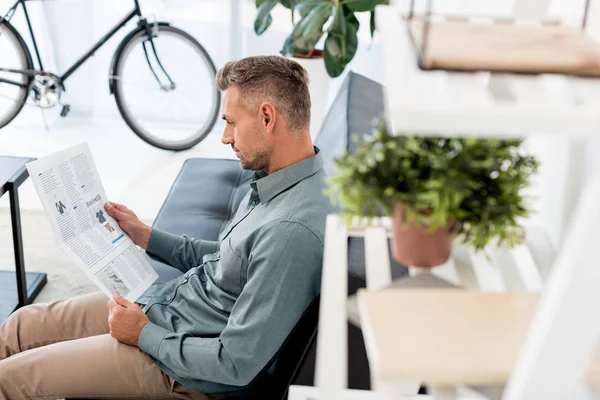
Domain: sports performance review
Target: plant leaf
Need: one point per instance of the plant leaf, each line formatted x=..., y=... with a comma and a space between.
x=352, y=20
x=305, y=6
x=473, y=184
x=263, y=15
x=364, y=5
x=342, y=41
x=307, y=31
x=289, y=3
x=288, y=47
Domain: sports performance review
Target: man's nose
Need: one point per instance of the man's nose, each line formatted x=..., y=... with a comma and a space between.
x=227, y=137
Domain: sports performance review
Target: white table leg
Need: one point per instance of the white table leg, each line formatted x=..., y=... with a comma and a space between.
x=377, y=258
x=565, y=326
x=331, y=368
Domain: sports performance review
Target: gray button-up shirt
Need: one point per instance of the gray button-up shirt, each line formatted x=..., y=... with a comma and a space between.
x=217, y=326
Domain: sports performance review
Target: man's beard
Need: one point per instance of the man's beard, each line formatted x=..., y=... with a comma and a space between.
x=258, y=163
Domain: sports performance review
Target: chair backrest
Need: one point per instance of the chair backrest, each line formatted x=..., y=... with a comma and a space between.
x=294, y=351
x=356, y=107
x=278, y=375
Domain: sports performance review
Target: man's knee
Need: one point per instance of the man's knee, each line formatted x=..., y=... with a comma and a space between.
x=26, y=314
x=6, y=373
x=13, y=379
x=22, y=319
x=10, y=331
x=21, y=330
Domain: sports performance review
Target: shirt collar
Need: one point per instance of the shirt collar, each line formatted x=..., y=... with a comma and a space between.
x=269, y=186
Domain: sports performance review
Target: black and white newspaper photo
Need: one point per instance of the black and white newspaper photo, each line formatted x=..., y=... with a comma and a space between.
x=73, y=197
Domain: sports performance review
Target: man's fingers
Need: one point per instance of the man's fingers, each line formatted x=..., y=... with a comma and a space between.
x=111, y=304
x=108, y=206
x=112, y=210
x=124, y=303
x=119, y=207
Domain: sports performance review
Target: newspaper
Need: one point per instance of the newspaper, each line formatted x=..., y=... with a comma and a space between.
x=73, y=197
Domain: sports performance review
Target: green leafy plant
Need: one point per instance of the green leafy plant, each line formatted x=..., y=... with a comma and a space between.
x=334, y=18
x=472, y=185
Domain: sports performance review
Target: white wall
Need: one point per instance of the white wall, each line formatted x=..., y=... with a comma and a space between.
x=68, y=34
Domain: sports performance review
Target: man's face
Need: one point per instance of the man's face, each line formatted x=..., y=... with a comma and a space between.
x=245, y=132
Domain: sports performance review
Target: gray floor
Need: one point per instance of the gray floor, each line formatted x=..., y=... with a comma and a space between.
x=42, y=254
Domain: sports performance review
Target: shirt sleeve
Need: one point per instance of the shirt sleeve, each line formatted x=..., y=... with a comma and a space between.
x=284, y=276
x=182, y=252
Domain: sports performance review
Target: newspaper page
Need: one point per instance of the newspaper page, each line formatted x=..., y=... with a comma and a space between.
x=73, y=197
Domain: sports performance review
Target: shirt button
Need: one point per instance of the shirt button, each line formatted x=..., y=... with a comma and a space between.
x=186, y=279
x=168, y=298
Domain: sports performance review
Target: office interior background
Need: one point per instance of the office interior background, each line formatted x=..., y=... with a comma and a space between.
x=140, y=176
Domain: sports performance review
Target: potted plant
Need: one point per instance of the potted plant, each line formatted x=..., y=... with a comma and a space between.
x=435, y=189
x=334, y=19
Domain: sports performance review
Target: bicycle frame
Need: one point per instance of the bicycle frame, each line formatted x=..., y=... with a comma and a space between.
x=136, y=11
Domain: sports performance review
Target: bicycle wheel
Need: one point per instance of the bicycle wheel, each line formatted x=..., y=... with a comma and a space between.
x=13, y=55
x=165, y=88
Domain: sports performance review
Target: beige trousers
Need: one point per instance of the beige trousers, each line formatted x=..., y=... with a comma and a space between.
x=63, y=350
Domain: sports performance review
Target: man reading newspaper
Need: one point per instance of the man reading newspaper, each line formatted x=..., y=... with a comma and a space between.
x=213, y=329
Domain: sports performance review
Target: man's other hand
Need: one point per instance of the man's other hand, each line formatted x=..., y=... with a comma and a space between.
x=130, y=223
x=125, y=320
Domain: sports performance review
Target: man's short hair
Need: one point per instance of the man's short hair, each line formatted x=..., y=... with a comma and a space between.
x=278, y=80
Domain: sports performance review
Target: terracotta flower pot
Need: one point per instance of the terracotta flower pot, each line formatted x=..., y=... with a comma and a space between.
x=415, y=246
x=314, y=53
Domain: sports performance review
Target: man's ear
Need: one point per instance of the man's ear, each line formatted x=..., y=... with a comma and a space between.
x=268, y=115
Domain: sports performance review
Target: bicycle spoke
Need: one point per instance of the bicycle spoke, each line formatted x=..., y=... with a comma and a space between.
x=141, y=85
x=151, y=86
x=182, y=95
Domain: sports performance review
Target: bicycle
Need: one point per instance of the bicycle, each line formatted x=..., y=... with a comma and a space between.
x=146, y=87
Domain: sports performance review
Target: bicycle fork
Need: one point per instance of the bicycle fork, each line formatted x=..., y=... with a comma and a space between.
x=152, y=32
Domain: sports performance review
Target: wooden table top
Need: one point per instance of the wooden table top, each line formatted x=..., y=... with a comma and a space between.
x=446, y=336
x=463, y=45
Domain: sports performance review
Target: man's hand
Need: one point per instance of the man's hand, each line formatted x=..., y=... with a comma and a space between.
x=130, y=223
x=125, y=320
